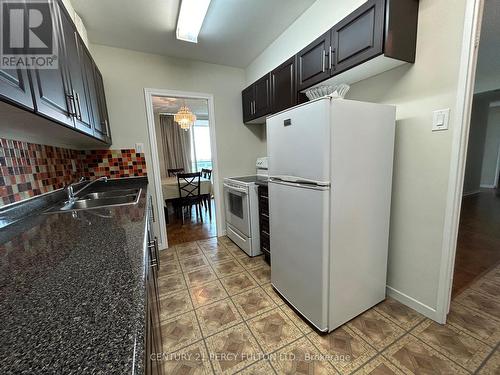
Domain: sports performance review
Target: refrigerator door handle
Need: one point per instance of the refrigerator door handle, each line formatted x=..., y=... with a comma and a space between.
x=302, y=185
x=297, y=180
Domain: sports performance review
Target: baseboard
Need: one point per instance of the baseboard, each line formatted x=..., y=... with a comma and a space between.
x=487, y=186
x=465, y=194
x=418, y=306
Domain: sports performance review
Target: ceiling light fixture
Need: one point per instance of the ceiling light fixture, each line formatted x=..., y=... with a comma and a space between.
x=185, y=118
x=191, y=18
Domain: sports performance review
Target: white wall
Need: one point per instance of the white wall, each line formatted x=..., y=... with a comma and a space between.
x=491, y=149
x=126, y=73
x=422, y=158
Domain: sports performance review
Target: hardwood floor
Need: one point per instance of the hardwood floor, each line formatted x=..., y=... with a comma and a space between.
x=478, y=248
x=193, y=229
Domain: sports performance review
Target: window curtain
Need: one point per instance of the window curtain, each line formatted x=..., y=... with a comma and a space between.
x=176, y=144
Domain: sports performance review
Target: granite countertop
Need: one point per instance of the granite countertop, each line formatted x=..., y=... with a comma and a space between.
x=72, y=290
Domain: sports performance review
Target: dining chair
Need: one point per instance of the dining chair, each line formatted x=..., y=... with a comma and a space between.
x=207, y=198
x=172, y=172
x=189, y=193
x=206, y=173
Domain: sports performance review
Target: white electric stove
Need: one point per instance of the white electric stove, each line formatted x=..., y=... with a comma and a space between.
x=242, y=209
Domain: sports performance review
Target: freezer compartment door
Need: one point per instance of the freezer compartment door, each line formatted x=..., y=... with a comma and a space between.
x=298, y=142
x=299, y=221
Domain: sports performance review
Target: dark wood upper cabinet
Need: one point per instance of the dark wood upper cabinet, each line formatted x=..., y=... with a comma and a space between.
x=101, y=130
x=256, y=101
x=15, y=87
x=72, y=94
x=284, y=86
x=381, y=29
x=262, y=97
x=401, y=17
x=51, y=87
x=247, y=96
x=359, y=37
x=314, y=62
x=76, y=74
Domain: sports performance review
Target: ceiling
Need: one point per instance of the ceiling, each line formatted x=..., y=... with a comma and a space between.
x=163, y=104
x=488, y=64
x=234, y=32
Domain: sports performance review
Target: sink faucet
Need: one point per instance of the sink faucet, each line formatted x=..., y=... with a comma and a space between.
x=70, y=188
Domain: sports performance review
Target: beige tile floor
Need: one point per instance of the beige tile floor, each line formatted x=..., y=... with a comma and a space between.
x=219, y=314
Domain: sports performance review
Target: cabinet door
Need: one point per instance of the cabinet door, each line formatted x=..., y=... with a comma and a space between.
x=79, y=89
x=51, y=87
x=247, y=97
x=93, y=99
x=101, y=130
x=314, y=62
x=15, y=87
x=262, y=100
x=283, y=86
x=359, y=37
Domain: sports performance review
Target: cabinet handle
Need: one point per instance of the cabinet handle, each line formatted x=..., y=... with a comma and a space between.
x=330, y=60
x=70, y=98
x=324, y=61
x=152, y=208
x=78, y=106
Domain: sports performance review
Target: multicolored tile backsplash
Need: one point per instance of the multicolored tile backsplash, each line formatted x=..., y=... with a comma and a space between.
x=28, y=169
x=113, y=163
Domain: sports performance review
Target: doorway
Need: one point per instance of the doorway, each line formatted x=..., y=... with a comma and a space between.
x=183, y=147
x=478, y=244
x=471, y=245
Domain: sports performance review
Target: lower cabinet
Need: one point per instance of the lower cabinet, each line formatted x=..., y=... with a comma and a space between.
x=265, y=239
x=153, y=339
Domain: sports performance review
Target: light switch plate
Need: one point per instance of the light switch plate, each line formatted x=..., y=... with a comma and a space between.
x=139, y=148
x=440, y=119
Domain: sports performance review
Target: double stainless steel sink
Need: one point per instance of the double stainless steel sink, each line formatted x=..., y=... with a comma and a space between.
x=99, y=199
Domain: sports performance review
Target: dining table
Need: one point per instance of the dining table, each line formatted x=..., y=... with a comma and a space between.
x=170, y=189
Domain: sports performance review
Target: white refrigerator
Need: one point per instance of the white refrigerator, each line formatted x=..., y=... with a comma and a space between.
x=330, y=178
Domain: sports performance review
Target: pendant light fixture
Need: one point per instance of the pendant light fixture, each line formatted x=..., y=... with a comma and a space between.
x=185, y=118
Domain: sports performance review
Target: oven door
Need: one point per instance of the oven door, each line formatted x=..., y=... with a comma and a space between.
x=237, y=208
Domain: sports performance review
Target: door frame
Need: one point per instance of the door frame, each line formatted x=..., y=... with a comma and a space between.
x=153, y=146
x=496, y=184
x=461, y=126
